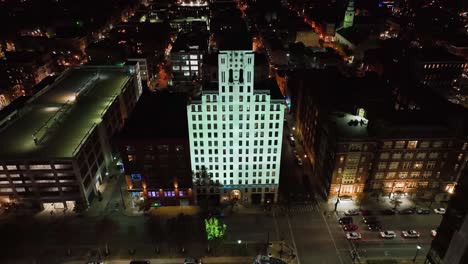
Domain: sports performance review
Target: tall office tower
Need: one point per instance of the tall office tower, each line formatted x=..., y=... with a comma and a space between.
x=235, y=132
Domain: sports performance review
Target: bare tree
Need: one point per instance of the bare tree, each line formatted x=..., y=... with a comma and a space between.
x=363, y=198
x=395, y=201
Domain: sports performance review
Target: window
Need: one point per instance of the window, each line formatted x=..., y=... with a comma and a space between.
x=421, y=155
x=437, y=144
x=379, y=175
x=427, y=174
x=415, y=174
x=412, y=144
x=382, y=165
x=424, y=144
x=169, y=193
x=396, y=155
x=393, y=165
x=390, y=175
x=400, y=144
x=418, y=165
x=430, y=165
x=409, y=155
x=387, y=144
x=433, y=155
x=153, y=194
x=40, y=167
x=193, y=57
x=403, y=175
x=384, y=155
x=131, y=157
x=406, y=165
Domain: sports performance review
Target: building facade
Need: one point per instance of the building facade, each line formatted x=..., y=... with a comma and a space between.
x=156, y=154
x=235, y=132
x=368, y=145
x=451, y=242
x=56, y=149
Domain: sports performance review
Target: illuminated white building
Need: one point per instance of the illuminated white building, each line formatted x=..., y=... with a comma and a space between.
x=235, y=132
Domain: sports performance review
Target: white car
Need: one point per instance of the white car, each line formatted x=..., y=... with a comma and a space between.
x=351, y=212
x=387, y=234
x=410, y=234
x=433, y=233
x=439, y=210
x=353, y=235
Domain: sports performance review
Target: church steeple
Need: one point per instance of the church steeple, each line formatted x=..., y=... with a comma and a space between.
x=349, y=15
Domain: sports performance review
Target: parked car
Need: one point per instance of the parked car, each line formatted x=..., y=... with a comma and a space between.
x=369, y=219
x=374, y=226
x=439, y=210
x=345, y=220
x=406, y=211
x=410, y=234
x=351, y=212
x=353, y=235
x=388, y=212
x=139, y=262
x=350, y=227
x=423, y=211
x=388, y=234
x=192, y=261
x=292, y=141
x=433, y=233
x=366, y=213
x=299, y=161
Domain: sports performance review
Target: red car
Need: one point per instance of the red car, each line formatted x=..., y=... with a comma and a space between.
x=350, y=227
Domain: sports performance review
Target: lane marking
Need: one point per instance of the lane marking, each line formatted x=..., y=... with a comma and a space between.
x=332, y=238
x=294, y=240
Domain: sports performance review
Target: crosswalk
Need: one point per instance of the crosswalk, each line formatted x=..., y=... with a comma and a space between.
x=297, y=209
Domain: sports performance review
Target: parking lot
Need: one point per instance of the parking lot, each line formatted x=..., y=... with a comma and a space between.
x=372, y=245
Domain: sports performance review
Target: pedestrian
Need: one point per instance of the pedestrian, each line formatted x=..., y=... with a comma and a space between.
x=51, y=212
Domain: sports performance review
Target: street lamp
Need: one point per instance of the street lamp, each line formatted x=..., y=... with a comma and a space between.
x=418, y=247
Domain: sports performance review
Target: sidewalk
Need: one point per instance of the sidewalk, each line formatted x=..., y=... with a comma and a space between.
x=382, y=203
x=209, y=260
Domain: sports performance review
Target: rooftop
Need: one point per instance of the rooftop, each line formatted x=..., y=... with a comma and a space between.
x=437, y=54
x=348, y=125
x=168, y=112
x=192, y=41
x=61, y=116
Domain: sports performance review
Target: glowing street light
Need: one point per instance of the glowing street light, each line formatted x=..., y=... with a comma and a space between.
x=418, y=247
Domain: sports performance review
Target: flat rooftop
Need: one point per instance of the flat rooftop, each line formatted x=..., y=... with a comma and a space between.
x=168, y=113
x=348, y=125
x=61, y=117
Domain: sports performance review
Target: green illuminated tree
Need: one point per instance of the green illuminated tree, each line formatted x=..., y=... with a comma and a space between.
x=215, y=230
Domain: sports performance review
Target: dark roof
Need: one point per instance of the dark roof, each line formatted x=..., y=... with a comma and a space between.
x=437, y=54
x=356, y=35
x=158, y=115
x=185, y=41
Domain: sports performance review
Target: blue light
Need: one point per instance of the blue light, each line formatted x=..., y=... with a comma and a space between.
x=136, y=176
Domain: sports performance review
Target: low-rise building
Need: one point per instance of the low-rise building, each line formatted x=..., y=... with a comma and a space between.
x=56, y=149
x=154, y=148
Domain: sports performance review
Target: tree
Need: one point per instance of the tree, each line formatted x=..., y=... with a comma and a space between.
x=155, y=230
x=395, y=201
x=179, y=228
x=363, y=198
x=215, y=230
x=105, y=229
x=80, y=207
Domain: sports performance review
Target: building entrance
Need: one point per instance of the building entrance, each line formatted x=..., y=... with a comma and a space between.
x=235, y=195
